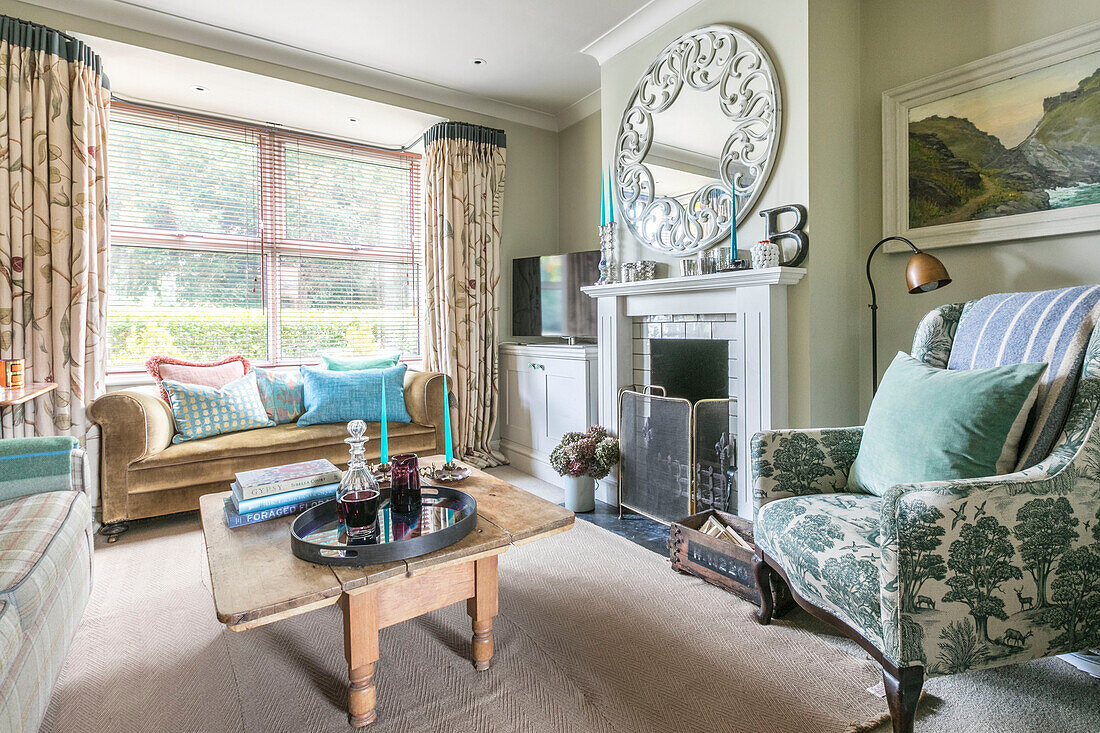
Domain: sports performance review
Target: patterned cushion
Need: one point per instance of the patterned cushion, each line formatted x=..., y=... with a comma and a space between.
x=204, y=411
x=33, y=546
x=210, y=374
x=828, y=545
x=281, y=393
x=1051, y=326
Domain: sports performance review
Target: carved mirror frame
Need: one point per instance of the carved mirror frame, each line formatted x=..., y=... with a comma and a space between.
x=714, y=56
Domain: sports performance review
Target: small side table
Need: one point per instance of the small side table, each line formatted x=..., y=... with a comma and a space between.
x=9, y=398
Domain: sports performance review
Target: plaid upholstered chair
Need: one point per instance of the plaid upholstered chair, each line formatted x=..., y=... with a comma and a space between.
x=939, y=577
x=45, y=569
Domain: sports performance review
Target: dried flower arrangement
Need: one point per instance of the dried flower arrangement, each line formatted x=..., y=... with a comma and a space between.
x=591, y=453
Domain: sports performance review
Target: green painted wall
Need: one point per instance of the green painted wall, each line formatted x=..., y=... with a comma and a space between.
x=903, y=41
x=579, y=178
x=815, y=48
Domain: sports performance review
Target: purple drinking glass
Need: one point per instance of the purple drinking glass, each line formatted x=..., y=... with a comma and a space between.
x=405, y=483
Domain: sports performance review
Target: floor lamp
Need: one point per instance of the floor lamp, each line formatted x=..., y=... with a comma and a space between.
x=923, y=274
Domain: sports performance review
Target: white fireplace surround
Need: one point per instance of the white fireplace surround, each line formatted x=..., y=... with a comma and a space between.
x=753, y=302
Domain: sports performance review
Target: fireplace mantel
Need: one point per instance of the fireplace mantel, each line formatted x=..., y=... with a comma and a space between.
x=758, y=299
x=700, y=283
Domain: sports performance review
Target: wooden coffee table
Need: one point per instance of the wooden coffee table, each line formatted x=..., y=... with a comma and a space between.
x=256, y=579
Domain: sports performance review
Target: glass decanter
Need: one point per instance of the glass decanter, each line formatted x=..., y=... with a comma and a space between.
x=358, y=496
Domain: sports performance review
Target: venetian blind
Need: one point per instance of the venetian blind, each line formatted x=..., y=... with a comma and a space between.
x=230, y=238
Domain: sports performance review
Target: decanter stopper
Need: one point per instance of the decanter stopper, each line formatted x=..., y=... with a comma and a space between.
x=358, y=439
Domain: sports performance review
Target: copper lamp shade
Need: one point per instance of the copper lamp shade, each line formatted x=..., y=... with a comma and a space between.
x=925, y=273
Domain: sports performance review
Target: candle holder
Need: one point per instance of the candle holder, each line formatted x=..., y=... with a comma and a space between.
x=380, y=471
x=608, y=269
x=449, y=472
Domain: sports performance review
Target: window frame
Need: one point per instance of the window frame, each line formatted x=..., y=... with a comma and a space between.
x=271, y=240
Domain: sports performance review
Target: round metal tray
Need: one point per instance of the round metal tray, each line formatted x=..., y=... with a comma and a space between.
x=446, y=516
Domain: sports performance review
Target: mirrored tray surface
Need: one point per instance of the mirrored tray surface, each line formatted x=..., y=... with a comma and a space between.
x=446, y=516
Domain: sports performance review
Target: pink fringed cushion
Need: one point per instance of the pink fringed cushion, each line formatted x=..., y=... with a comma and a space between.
x=214, y=374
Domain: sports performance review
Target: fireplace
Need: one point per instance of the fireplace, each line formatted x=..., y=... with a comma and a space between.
x=745, y=311
x=679, y=430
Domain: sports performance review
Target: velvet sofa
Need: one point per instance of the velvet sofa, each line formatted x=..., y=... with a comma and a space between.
x=45, y=570
x=143, y=474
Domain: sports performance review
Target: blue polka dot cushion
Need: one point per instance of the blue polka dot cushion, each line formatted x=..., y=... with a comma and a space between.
x=202, y=412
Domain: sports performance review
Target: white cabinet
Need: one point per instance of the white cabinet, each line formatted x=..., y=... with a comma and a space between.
x=546, y=391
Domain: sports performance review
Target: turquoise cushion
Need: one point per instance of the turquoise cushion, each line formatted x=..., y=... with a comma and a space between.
x=929, y=424
x=333, y=397
x=201, y=411
x=341, y=363
x=281, y=393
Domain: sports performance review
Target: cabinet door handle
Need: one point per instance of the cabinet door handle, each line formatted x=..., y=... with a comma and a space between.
x=533, y=365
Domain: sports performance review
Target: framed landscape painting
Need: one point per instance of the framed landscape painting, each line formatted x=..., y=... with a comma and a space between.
x=1005, y=148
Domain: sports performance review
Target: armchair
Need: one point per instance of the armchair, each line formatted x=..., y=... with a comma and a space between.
x=939, y=577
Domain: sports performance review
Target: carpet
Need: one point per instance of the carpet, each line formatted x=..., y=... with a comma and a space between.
x=594, y=634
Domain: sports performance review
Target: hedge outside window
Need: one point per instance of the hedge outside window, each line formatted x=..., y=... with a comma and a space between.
x=233, y=238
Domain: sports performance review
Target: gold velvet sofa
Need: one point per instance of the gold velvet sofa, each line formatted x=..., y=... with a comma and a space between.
x=143, y=474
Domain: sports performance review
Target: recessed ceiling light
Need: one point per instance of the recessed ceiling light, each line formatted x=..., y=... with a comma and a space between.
x=353, y=120
x=199, y=89
x=479, y=61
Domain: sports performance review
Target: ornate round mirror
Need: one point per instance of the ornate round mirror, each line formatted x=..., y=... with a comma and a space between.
x=697, y=140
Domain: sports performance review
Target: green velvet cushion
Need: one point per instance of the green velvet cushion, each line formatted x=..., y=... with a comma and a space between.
x=342, y=363
x=929, y=424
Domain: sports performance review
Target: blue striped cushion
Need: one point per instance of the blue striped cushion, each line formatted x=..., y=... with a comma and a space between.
x=1051, y=326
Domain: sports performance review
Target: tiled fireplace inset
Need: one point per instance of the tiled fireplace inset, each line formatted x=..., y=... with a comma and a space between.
x=721, y=327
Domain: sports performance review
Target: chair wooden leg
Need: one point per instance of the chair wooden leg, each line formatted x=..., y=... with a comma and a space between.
x=765, y=581
x=902, y=695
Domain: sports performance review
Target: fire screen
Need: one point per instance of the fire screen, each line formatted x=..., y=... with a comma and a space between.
x=662, y=439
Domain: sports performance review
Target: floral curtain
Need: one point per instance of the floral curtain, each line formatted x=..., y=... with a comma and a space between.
x=53, y=222
x=463, y=200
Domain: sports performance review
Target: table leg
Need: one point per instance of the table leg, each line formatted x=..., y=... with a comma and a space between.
x=361, y=649
x=481, y=609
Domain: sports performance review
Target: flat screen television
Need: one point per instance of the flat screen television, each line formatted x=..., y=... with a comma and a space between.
x=547, y=298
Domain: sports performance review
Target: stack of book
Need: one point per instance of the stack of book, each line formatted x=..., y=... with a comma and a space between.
x=268, y=493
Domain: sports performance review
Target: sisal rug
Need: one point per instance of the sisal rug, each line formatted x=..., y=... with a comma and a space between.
x=594, y=634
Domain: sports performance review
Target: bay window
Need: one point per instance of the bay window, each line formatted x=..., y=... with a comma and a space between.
x=233, y=238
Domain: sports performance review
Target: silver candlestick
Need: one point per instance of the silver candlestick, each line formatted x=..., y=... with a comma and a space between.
x=608, y=268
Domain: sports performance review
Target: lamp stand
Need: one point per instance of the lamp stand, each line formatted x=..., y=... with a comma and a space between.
x=874, y=308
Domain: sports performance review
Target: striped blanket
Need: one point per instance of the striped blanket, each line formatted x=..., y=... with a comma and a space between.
x=33, y=465
x=1051, y=326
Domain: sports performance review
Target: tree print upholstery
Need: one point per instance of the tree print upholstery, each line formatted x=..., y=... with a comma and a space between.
x=972, y=573
x=827, y=542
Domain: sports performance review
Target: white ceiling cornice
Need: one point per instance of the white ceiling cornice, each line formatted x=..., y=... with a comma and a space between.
x=580, y=109
x=206, y=35
x=635, y=27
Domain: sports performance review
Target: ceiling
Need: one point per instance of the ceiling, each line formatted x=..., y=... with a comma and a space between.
x=532, y=48
x=142, y=75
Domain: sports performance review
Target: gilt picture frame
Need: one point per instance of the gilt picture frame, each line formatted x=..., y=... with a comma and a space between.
x=1001, y=149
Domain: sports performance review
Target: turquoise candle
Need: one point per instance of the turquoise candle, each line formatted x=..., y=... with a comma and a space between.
x=447, y=451
x=603, y=199
x=384, y=457
x=733, y=222
x=610, y=201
